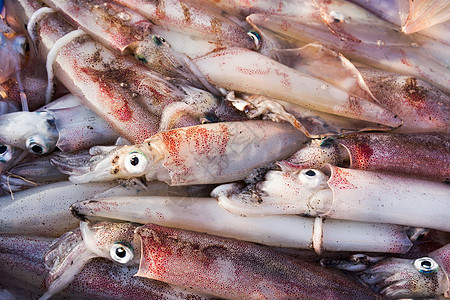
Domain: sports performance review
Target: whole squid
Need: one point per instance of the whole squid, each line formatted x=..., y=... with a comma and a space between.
x=341, y=193
x=397, y=278
x=217, y=266
x=202, y=154
x=277, y=231
x=247, y=71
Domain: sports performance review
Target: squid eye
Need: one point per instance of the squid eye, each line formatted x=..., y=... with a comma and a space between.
x=6, y=152
x=36, y=145
x=159, y=40
x=121, y=252
x=256, y=38
x=135, y=162
x=426, y=265
x=310, y=173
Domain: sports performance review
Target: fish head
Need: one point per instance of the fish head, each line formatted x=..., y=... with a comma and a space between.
x=406, y=278
x=34, y=132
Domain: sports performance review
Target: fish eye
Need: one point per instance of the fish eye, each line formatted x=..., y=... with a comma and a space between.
x=135, y=162
x=426, y=265
x=36, y=146
x=159, y=40
x=5, y=153
x=256, y=38
x=121, y=252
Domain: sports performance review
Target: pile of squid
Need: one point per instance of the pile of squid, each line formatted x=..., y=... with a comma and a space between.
x=205, y=149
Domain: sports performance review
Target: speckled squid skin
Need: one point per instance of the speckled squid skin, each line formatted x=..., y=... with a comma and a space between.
x=236, y=270
x=401, y=200
x=442, y=257
x=418, y=154
x=193, y=17
x=247, y=71
x=422, y=155
x=109, y=22
x=224, y=152
x=422, y=107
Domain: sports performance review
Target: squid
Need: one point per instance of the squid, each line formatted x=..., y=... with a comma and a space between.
x=202, y=154
x=217, y=266
x=341, y=193
x=69, y=129
x=197, y=18
x=420, y=155
x=421, y=107
x=23, y=267
x=398, y=278
x=247, y=71
x=427, y=13
x=277, y=231
x=44, y=210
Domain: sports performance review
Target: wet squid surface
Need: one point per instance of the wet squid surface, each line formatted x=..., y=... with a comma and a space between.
x=200, y=149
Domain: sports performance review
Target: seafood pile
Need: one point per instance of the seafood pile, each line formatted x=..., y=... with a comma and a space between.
x=204, y=149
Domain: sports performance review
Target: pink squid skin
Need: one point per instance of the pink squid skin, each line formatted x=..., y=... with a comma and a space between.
x=193, y=17
x=421, y=107
x=422, y=155
x=442, y=257
x=114, y=24
x=34, y=88
x=22, y=266
x=236, y=270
